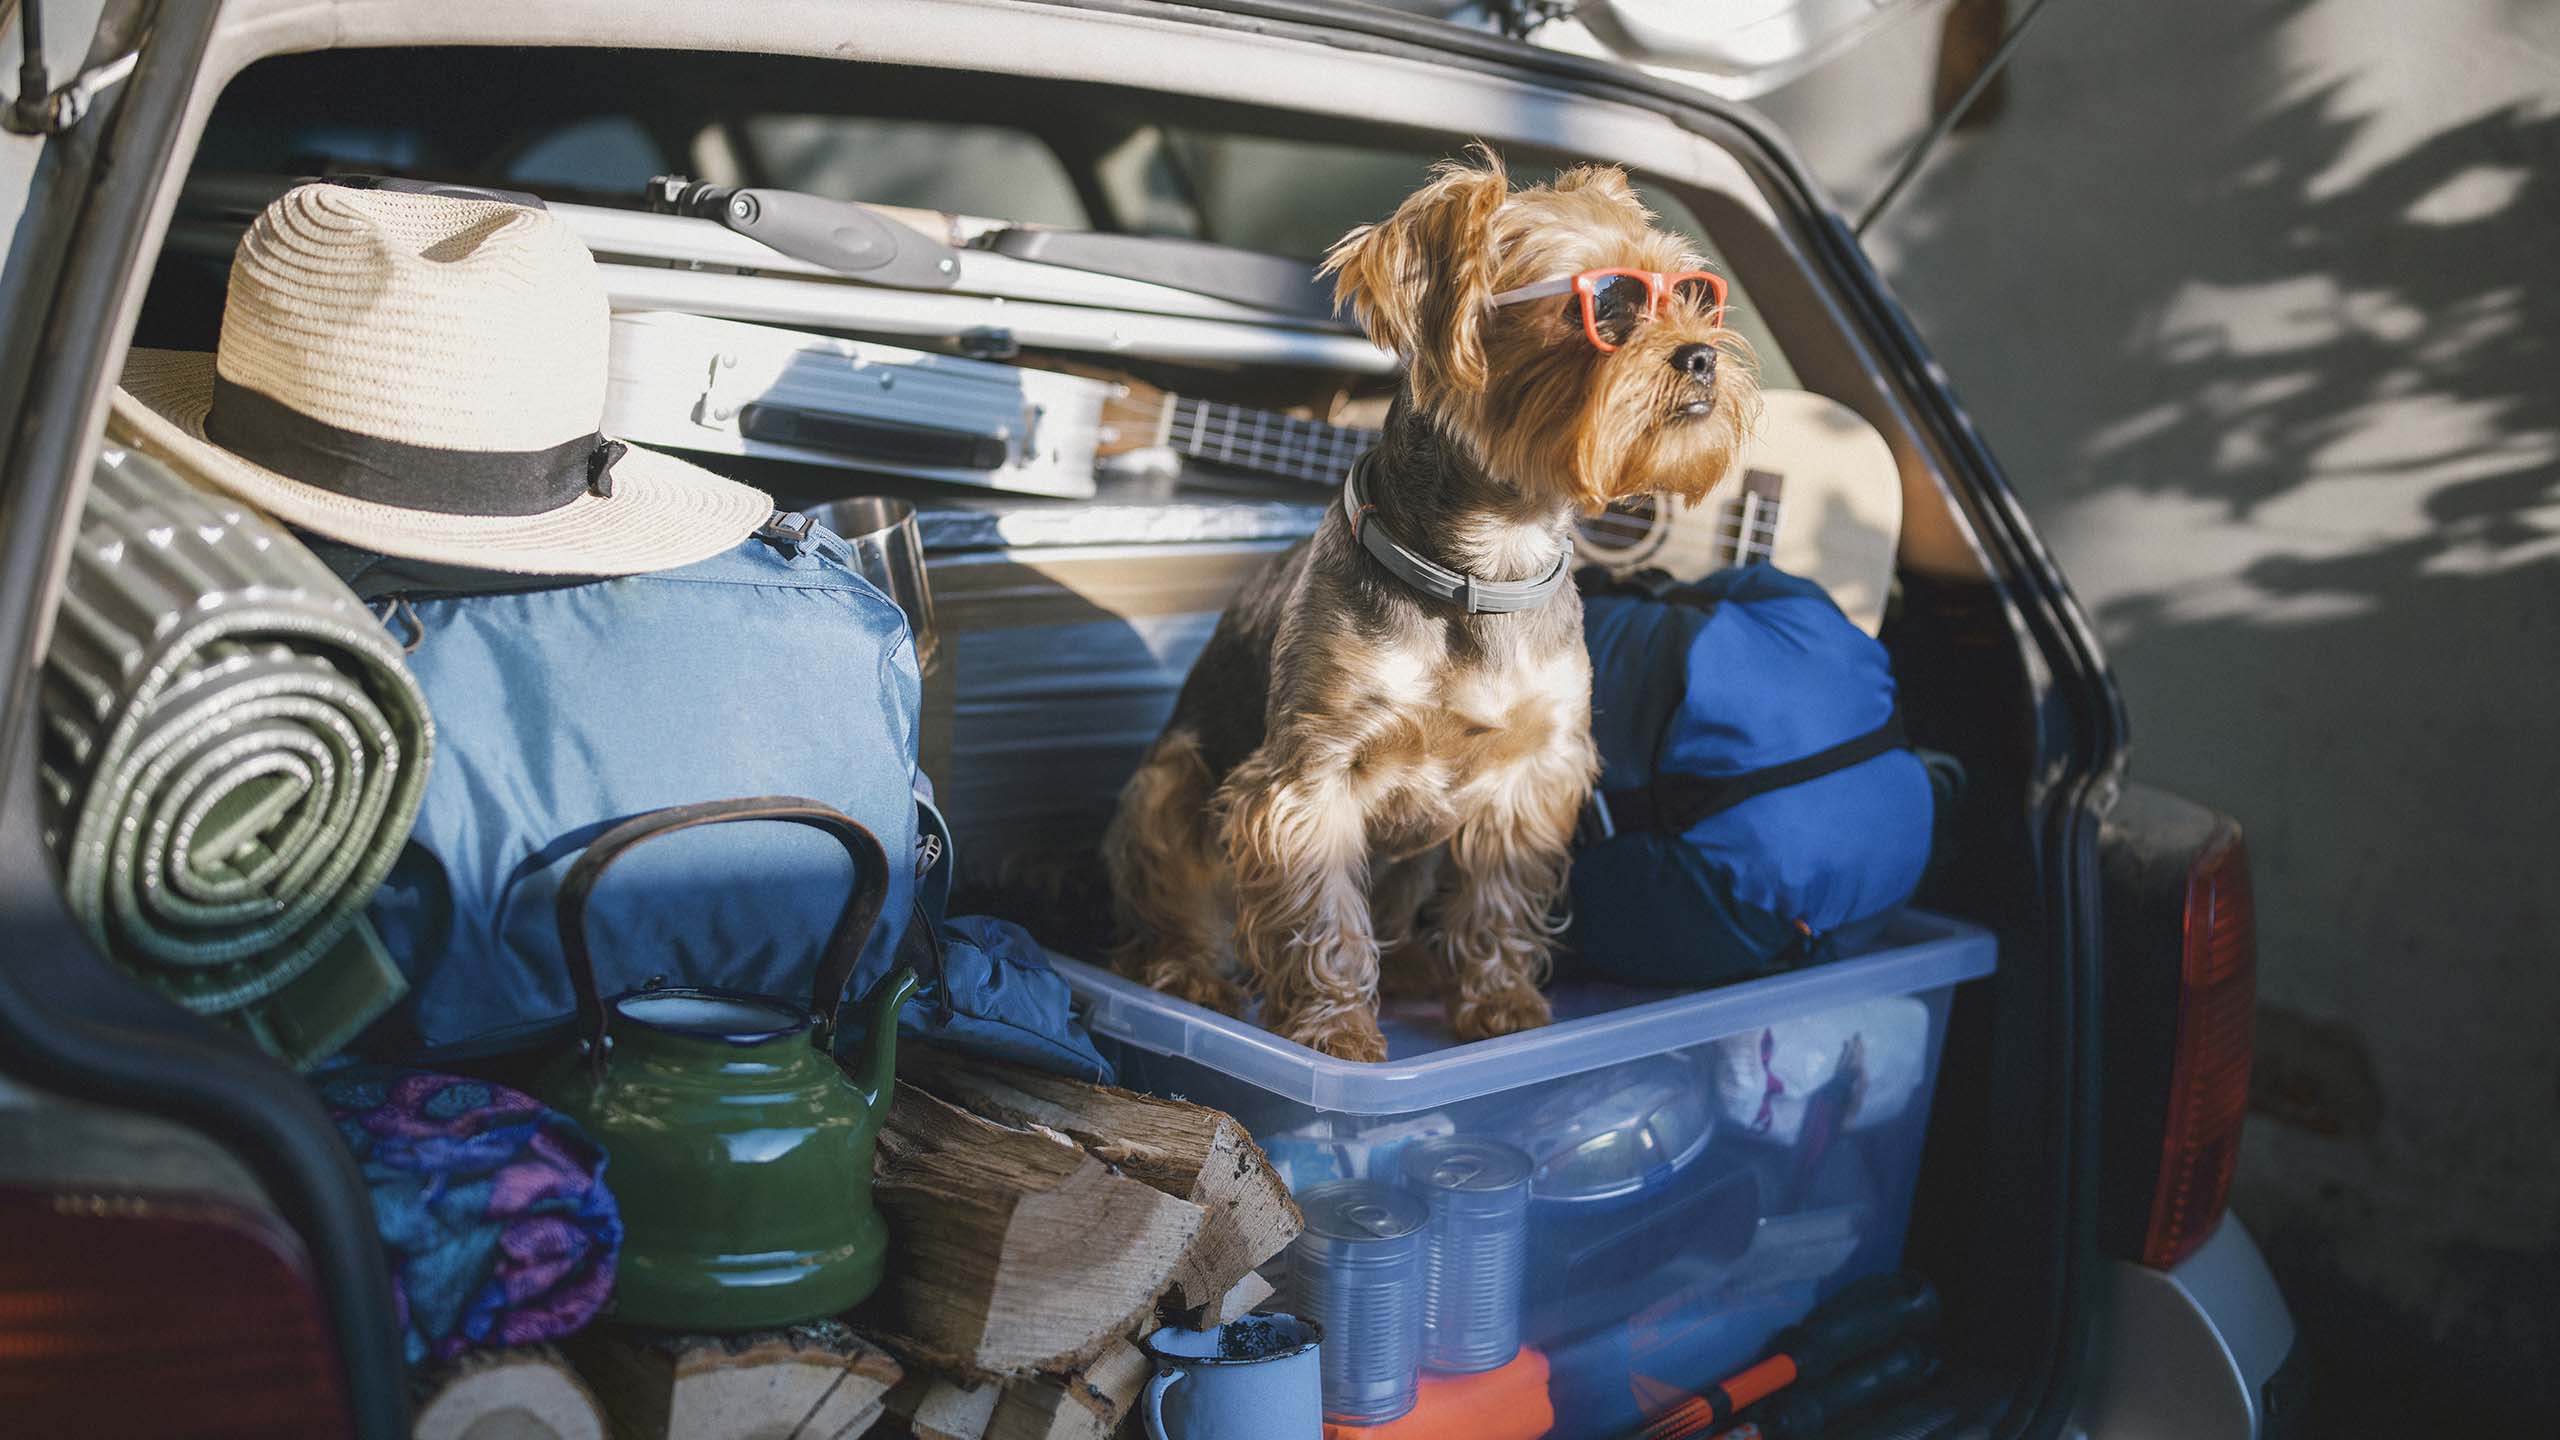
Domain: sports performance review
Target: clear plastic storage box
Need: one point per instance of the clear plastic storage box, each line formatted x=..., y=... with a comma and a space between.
x=1704, y=1166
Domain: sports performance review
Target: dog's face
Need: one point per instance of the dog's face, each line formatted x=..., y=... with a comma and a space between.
x=1521, y=386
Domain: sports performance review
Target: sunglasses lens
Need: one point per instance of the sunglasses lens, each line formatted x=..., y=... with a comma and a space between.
x=1617, y=307
x=1697, y=290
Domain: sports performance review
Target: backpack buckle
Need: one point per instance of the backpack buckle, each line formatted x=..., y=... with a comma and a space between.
x=1593, y=825
x=786, y=530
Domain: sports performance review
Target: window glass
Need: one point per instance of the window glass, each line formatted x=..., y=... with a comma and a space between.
x=1289, y=197
x=604, y=152
x=986, y=170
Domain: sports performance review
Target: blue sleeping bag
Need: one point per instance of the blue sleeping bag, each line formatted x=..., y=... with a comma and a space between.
x=562, y=709
x=1756, y=797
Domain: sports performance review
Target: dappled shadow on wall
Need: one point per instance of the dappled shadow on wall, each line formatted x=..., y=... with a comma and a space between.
x=2279, y=377
x=2367, y=369
x=2396, y=331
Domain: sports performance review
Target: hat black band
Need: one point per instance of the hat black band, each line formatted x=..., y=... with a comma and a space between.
x=265, y=431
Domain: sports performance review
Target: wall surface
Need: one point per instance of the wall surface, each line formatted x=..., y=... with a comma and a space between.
x=2260, y=305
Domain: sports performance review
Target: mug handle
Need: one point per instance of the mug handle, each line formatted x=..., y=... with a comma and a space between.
x=1165, y=1380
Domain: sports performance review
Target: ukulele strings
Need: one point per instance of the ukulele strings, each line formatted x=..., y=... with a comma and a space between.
x=1750, y=529
x=1619, y=526
x=1734, y=533
x=1264, y=440
x=1756, y=534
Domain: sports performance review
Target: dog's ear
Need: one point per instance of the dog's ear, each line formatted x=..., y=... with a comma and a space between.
x=1606, y=181
x=1418, y=280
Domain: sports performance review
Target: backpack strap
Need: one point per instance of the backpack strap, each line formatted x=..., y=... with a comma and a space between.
x=1673, y=802
x=1650, y=583
x=920, y=947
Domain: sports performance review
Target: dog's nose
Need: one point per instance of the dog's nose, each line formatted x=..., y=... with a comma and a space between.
x=1698, y=362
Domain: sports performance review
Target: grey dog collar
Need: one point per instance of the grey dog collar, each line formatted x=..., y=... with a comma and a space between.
x=1477, y=597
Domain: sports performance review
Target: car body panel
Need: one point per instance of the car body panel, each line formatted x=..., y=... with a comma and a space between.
x=2190, y=1353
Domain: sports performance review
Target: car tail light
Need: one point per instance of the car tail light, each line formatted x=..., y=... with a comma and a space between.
x=173, y=1316
x=2209, y=1074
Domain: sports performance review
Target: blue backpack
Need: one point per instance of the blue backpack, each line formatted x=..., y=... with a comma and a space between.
x=561, y=710
x=1756, y=796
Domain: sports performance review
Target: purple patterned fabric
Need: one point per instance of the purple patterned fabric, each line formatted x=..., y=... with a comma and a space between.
x=493, y=1208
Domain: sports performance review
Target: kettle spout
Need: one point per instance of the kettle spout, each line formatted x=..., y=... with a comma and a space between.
x=876, y=1072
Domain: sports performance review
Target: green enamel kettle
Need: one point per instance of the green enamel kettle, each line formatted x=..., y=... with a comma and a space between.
x=740, y=1151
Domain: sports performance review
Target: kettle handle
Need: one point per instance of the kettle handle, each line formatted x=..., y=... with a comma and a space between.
x=844, y=947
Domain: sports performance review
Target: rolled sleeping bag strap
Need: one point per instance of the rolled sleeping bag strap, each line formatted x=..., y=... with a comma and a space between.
x=1675, y=802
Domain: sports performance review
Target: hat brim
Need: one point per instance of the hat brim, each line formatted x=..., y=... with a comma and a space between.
x=664, y=513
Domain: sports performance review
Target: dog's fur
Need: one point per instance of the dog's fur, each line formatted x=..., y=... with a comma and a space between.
x=1366, y=775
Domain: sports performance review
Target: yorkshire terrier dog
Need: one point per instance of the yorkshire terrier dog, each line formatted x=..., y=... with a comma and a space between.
x=1379, y=758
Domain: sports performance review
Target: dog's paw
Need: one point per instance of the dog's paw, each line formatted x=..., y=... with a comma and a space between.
x=1210, y=993
x=1504, y=1012
x=1199, y=986
x=1353, y=1036
x=1410, y=972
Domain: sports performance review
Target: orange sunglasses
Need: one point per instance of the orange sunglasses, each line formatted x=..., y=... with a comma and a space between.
x=1615, y=301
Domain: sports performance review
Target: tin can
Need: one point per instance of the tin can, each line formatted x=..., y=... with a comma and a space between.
x=1476, y=1250
x=1356, y=1270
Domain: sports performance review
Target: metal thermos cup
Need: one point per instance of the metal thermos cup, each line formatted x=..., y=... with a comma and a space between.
x=888, y=551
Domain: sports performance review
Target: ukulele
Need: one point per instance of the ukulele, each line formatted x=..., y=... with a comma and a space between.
x=1137, y=416
x=1816, y=493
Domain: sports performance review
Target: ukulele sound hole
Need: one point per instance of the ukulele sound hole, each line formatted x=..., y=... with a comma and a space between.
x=1625, y=526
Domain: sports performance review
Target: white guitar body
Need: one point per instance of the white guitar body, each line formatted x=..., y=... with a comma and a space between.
x=1837, y=525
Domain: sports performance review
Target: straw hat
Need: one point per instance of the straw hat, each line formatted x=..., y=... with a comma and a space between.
x=424, y=375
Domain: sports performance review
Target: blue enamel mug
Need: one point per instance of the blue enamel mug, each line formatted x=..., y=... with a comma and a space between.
x=1249, y=1379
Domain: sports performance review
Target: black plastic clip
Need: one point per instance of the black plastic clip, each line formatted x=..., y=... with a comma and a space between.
x=1593, y=825
x=786, y=531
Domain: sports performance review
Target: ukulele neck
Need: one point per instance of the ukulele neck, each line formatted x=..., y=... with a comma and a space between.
x=1248, y=439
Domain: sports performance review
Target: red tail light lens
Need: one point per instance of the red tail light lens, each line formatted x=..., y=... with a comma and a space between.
x=2209, y=1078
x=181, y=1317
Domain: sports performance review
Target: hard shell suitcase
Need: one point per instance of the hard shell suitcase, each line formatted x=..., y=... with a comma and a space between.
x=991, y=302
x=724, y=387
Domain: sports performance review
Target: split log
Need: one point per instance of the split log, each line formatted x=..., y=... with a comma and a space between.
x=523, y=1394
x=1015, y=1250
x=1247, y=1297
x=939, y=1407
x=1084, y=1404
x=818, y=1381
x=1190, y=1152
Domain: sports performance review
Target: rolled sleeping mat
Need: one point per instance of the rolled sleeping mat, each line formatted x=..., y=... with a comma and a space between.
x=232, y=757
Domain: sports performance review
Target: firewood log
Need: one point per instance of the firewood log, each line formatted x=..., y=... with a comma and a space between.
x=1247, y=1297
x=1013, y=1250
x=523, y=1394
x=939, y=1407
x=818, y=1381
x=1087, y=1403
x=1187, y=1151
